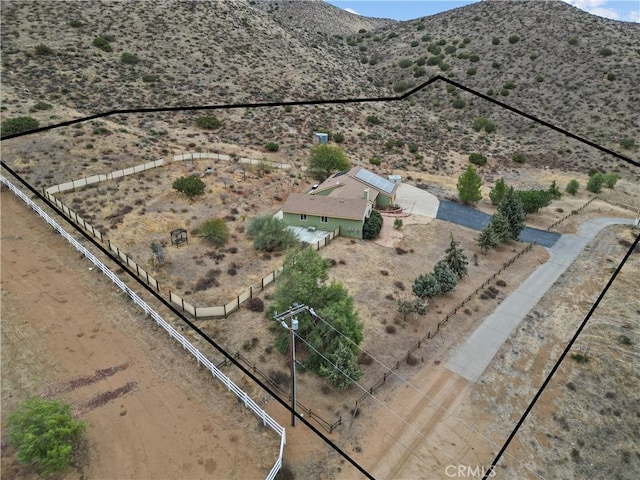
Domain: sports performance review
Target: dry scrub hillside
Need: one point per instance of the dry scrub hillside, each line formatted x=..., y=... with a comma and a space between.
x=565, y=66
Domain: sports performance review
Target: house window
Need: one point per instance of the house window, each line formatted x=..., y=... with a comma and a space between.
x=303, y=217
x=324, y=219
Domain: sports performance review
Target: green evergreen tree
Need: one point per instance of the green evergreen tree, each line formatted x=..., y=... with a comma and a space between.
x=498, y=192
x=456, y=259
x=445, y=277
x=270, y=234
x=342, y=367
x=500, y=227
x=554, y=191
x=534, y=200
x=511, y=208
x=426, y=286
x=610, y=179
x=469, y=184
x=372, y=226
x=487, y=239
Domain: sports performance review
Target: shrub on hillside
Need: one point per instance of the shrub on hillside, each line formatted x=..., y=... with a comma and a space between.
x=255, y=304
x=478, y=159
x=191, y=186
x=595, y=182
x=102, y=44
x=129, y=58
x=514, y=39
x=270, y=234
x=13, y=126
x=43, y=50
x=208, y=122
x=572, y=187
x=215, y=231
x=272, y=146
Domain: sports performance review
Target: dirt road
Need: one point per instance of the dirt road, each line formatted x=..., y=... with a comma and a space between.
x=67, y=332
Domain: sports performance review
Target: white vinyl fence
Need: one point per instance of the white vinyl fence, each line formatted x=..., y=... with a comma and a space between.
x=248, y=402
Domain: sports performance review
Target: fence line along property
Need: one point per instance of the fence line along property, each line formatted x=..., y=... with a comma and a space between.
x=429, y=335
x=197, y=312
x=216, y=373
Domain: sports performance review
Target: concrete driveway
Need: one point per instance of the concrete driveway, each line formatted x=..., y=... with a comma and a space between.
x=477, y=220
x=417, y=201
x=473, y=357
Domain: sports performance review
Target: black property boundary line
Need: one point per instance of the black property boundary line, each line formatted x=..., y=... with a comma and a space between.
x=331, y=102
x=560, y=359
x=186, y=320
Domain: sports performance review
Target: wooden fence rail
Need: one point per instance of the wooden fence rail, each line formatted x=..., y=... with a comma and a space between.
x=216, y=373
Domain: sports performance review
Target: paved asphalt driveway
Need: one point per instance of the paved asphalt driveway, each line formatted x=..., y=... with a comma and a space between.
x=472, y=218
x=472, y=357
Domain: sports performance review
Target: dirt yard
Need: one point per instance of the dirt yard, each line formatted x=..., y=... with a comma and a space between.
x=67, y=333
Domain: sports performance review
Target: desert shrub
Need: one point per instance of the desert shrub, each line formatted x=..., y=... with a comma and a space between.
x=44, y=433
x=595, y=182
x=426, y=38
x=272, y=146
x=75, y=23
x=573, y=41
x=611, y=76
x=610, y=179
x=373, y=120
x=514, y=39
x=42, y=106
x=255, y=304
x=270, y=234
x=605, y=52
x=129, y=58
x=628, y=143
x=102, y=43
x=419, y=72
x=412, y=361
x=150, y=78
x=481, y=123
x=495, y=41
x=477, y=159
x=433, y=60
x=472, y=71
x=474, y=58
x=580, y=357
x=390, y=328
x=504, y=92
x=572, y=187
x=405, y=63
x=43, y=51
x=338, y=137
x=496, y=65
x=13, y=126
x=534, y=200
x=191, y=186
x=501, y=283
x=539, y=78
x=509, y=85
x=444, y=66
x=374, y=161
x=372, y=226
x=208, y=122
x=215, y=231
x=413, y=148
x=384, y=273
x=364, y=358
x=397, y=224
x=459, y=103
x=402, y=85
x=279, y=378
x=518, y=158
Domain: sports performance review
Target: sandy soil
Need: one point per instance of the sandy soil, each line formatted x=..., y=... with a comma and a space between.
x=151, y=412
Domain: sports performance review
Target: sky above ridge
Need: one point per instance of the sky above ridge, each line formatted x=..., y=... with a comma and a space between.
x=623, y=10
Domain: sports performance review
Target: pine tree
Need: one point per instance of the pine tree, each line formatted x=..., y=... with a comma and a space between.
x=426, y=286
x=487, y=239
x=500, y=227
x=469, y=184
x=456, y=259
x=511, y=208
x=498, y=192
x=445, y=277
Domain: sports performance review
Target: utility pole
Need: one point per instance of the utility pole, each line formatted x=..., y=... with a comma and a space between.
x=292, y=313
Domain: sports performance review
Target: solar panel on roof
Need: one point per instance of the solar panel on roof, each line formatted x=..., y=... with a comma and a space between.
x=375, y=181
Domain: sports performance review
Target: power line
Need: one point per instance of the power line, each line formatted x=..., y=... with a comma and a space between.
x=389, y=409
x=426, y=395
x=175, y=311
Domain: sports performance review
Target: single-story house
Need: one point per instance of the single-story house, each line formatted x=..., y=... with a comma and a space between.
x=343, y=200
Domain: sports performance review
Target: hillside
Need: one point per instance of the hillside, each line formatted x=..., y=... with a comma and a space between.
x=566, y=66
